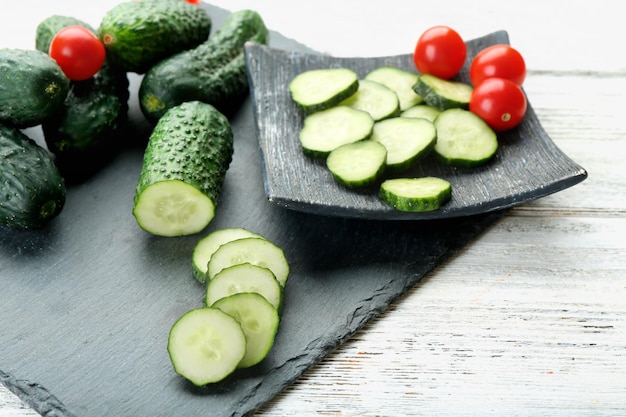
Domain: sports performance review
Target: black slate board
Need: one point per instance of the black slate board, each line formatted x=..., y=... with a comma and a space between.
x=87, y=303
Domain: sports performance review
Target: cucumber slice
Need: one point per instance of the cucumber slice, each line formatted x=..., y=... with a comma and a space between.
x=416, y=194
x=260, y=252
x=422, y=110
x=259, y=321
x=245, y=278
x=399, y=80
x=206, y=246
x=328, y=129
x=379, y=101
x=320, y=89
x=358, y=164
x=464, y=139
x=443, y=94
x=206, y=345
x=406, y=140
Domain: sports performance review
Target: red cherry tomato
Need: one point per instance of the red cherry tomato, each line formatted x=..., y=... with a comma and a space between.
x=78, y=51
x=501, y=103
x=196, y=2
x=500, y=61
x=440, y=51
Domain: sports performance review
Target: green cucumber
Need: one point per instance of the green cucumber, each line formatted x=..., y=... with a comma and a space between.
x=358, y=164
x=399, y=80
x=260, y=252
x=184, y=165
x=138, y=34
x=407, y=140
x=32, y=191
x=245, y=277
x=379, y=101
x=213, y=72
x=464, y=139
x=416, y=194
x=259, y=321
x=422, y=110
x=319, y=89
x=47, y=28
x=32, y=87
x=328, y=129
x=443, y=94
x=83, y=133
x=206, y=246
x=206, y=345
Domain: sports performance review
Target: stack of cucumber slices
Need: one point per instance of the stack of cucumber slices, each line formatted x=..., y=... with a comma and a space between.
x=374, y=128
x=244, y=275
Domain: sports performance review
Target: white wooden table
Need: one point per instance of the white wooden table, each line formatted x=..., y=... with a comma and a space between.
x=528, y=320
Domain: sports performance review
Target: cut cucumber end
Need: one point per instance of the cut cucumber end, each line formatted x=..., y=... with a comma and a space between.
x=416, y=194
x=173, y=208
x=206, y=345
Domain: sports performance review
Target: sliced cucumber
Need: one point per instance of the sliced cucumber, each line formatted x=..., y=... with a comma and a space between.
x=206, y=345
x=399, y=80
x=206, y=246
x=328, y=129
x=245, y=278
x=416, y=194
x=422, y=110
x=319, y=89
x=184, y=166
x=358, y=164
x=464, y=139
x=259, y=321
x=406, y=140
x=378, y=100
x=260, y=252
x=443, y=94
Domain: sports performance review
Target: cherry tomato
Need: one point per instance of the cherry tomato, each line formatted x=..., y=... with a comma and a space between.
x=501, y=61
x=440, y=51
x=78, y=51
x=196, y=2
x=501, y=103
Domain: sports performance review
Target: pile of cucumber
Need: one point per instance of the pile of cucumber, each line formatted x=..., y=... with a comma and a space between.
x=244, y=275
x=370, y=130
x=169, y=42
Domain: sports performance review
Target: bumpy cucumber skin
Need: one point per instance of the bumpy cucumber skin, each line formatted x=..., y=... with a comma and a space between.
x=32, y=87
x=213, y=72
x=138, y=34
x=32, y=191
x=83, y=133
x=193, y=143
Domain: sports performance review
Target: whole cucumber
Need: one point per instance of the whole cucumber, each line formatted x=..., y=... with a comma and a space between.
x=85, y=131
x=32, y=87
x=138, y=34
x=32, y=191
x=213, y=72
